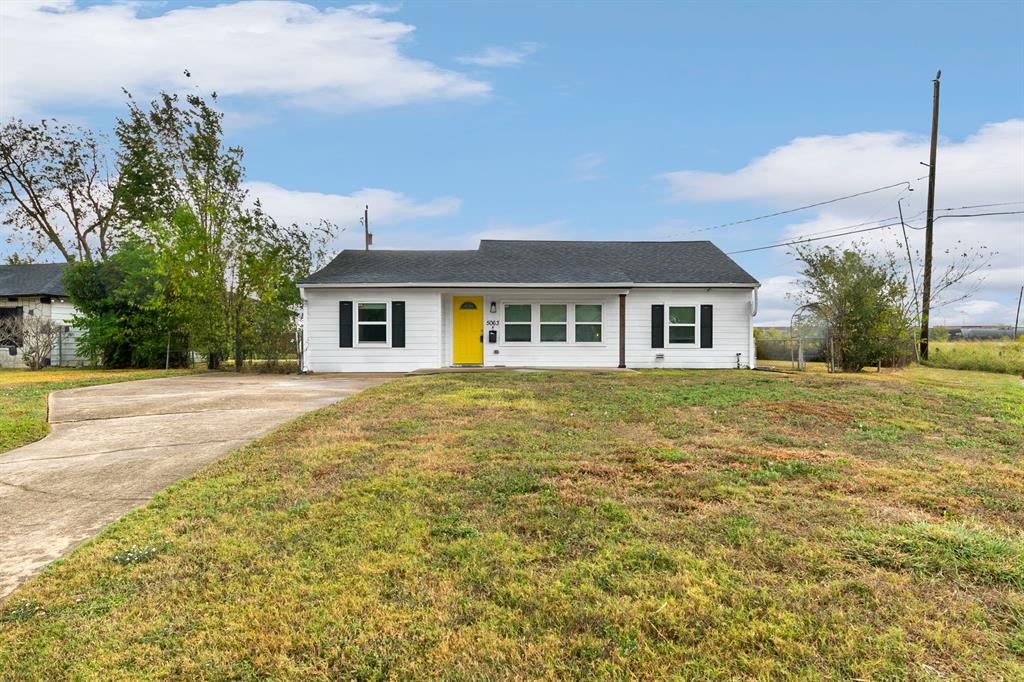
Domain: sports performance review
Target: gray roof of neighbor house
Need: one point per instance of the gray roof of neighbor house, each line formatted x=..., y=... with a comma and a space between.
x=37, y=279
x=500, y=261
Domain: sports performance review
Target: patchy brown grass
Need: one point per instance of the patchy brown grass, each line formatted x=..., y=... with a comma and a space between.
x=692, y=525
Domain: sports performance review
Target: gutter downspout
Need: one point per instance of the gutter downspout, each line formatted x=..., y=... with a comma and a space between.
x=753, y=346
x=622, y=331
x=303, y=361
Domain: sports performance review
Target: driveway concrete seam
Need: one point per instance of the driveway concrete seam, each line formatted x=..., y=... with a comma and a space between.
x=168, y=414
x=71, y=496
x=135, y=448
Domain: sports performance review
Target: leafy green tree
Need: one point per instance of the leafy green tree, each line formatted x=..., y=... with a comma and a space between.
x=232, y=268
x=863, y=298
x=125, y=319
x=170, y=246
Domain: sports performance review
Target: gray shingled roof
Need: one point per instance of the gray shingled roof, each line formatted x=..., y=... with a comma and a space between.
x=542, y=262
x=37, y=279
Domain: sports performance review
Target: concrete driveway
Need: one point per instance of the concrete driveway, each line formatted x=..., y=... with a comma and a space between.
x=112, y=447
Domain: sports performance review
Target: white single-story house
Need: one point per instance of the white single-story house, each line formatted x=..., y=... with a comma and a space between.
x=530, y=304
x=37, y=290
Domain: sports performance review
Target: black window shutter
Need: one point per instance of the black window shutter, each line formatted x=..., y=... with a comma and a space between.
x=657, y=326
x=398, y=324
x=345, y=324
x=705, y=326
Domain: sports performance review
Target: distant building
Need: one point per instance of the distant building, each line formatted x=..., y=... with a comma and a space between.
x=37, y=289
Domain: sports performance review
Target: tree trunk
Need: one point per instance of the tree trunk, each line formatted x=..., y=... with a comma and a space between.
x=238, y=343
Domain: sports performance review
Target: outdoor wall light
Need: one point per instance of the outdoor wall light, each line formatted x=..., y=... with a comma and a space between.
x=494, y=307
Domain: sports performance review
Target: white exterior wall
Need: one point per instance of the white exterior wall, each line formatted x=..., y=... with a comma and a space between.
x=321, y=333
x=61, y=311
x=732, y=329
x=429, y=329
x=551, y=354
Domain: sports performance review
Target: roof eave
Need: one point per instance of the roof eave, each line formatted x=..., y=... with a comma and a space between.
x=534, y=285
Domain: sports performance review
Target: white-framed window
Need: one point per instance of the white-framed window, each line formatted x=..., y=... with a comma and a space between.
x=372, y=322
x=682, y=324
x=588, y=322
x=518, y=322
x=553, y=323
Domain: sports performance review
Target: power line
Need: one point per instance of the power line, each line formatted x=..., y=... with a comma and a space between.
x=1004, y=203
x=811, y=238
x=978, y=215
x=794, y=210
x=851, y=196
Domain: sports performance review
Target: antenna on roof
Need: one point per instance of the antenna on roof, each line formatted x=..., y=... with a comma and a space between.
x=365, y=220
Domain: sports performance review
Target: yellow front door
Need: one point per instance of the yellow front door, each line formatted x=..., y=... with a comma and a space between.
x=467, y=330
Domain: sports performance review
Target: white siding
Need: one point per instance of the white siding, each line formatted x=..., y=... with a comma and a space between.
x=732, y=329
x=542, y=354
x=322, y=332
x=429, y=329
x=60, y=311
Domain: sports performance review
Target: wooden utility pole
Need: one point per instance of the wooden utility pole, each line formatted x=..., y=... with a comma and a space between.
x=366, y=227
x=929, y=222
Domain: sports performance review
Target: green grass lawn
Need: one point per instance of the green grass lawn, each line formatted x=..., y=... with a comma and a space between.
x=23, y=397
x=987, y=356
x=689, y=525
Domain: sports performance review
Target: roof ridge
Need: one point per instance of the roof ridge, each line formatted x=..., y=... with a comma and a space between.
x=600, y=241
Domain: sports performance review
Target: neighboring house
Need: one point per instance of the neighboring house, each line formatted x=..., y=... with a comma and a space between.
x=37, y=289
x=530, y=304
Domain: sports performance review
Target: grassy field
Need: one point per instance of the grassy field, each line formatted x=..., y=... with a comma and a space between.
x=688, y=525
x=23, y=397
x=986, y=356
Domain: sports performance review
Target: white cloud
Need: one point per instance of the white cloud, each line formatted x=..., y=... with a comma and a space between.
x=55, y=52
x=774, y=306
x=498, y=57
x=977, y=312
x=387, y=210
x=984, y=168
x=812, y=168
x=587, y=167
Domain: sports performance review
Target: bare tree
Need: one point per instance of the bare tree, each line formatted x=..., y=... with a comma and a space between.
x=35, y=336
x=10, y=329
x=56, y=189
x=39, y=336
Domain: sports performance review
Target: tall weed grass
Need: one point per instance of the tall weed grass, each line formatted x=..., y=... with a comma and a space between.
x=985, y=356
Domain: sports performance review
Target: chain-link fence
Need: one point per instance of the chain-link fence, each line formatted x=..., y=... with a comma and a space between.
x=807, y=349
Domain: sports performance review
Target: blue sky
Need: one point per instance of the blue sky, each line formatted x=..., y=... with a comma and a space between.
x=576, y=121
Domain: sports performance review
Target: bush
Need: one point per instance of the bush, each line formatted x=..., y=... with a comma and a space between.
x=863, y=300
x=124, y=319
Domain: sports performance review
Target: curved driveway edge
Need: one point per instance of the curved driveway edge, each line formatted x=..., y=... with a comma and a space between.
x=113, y=447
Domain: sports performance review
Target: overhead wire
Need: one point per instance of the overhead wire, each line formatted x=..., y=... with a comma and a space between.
x=812, y=238
x=907, y=183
